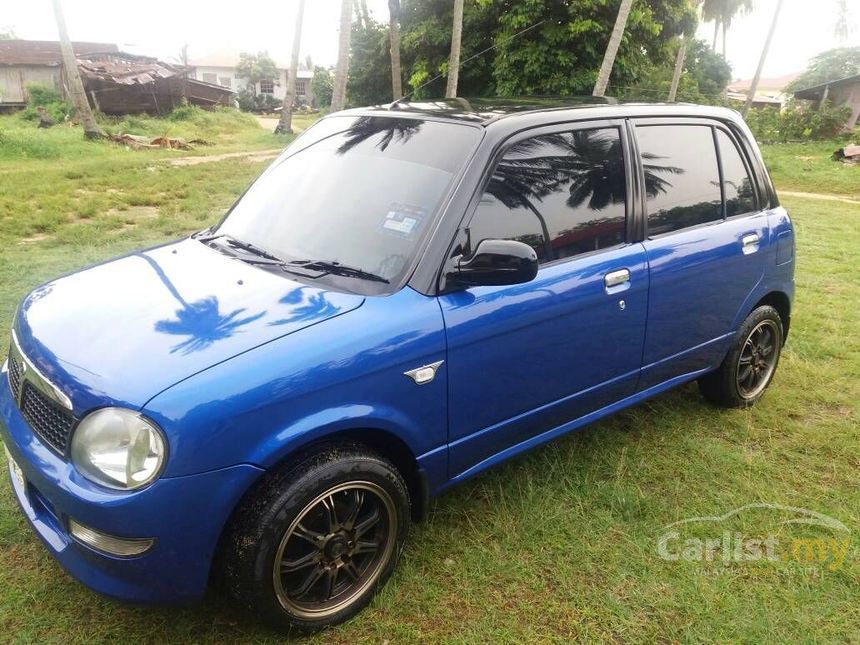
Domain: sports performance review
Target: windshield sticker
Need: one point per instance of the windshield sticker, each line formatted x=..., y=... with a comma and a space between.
x=403, y=220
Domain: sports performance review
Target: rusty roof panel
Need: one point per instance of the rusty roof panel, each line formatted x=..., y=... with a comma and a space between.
x=45, y=52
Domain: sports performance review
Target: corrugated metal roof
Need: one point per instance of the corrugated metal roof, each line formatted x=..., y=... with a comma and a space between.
x=45, y=52
x=124, y=69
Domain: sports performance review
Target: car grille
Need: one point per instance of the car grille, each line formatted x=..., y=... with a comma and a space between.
x=50, y=422
x=14, y=376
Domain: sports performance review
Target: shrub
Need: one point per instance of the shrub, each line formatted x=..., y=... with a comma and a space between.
x=797, y=123
x=48, y=98
x=250, y=102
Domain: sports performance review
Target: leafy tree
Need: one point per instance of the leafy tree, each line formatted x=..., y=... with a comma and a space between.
x=369, y=80
x=709, y=69
x=255, y=68
x=705, y=75
x=426, y=45
x=7, y=33
x=829, y=65
x=563, y=55
x=322, y=84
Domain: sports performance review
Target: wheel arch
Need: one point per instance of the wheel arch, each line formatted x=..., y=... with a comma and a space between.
x=385, y=443
x=780, y=301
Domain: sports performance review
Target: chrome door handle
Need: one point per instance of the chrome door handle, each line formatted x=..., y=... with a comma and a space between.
x=749, y=243
x=615, y=278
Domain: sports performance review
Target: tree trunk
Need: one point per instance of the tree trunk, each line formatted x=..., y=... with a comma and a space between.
x=754, y=85
x=716, y=33
x=285, y=124
x=76, y=86
x=365, y=15
x=725, y=29
x=394, y=37
x=612, y=49
x=454, y=59
x=679, y=67
x=338, y=97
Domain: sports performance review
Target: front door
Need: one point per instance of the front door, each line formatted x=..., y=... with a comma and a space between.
x=526, y=359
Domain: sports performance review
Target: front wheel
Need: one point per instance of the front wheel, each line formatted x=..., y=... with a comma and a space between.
x=313, y=544
x=749, y=366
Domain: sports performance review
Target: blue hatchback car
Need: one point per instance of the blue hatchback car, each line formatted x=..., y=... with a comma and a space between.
x=405, y=297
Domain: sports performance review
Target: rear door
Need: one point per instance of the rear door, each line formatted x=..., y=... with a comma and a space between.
x=525, y=359
x=706, y=239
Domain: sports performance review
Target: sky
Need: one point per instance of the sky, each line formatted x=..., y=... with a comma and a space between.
x=161, y=27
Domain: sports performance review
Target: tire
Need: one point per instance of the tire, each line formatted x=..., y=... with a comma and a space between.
x=327, y=567
x=748, y=368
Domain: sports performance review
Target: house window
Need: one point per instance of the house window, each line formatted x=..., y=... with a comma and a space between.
x=225, y=81
x=267, y=86
x=209, y=77
x=301, y=89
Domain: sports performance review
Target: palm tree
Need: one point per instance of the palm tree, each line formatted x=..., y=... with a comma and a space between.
x=722, y=12
x=679, y=62
x=394, y=37
x=76, y=86
x=456, y=43
x=612, y=49
x=842, y=28
x=338, y=97
x=754, y=85
x=285, y=124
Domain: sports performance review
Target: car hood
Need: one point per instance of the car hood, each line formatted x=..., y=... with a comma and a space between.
x=123, y=331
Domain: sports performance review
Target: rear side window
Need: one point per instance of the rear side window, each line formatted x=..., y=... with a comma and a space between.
x=563, y=194
x=682, y=179
x=738, y=185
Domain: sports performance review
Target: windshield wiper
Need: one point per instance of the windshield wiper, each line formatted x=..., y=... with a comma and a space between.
x=336, y=268
x=242, y=245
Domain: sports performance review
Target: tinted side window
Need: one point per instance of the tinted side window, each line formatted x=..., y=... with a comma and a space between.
x=682, y=180
x=563, y=194
x=737, y=182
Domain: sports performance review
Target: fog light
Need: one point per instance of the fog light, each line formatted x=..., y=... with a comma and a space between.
x=123, y=547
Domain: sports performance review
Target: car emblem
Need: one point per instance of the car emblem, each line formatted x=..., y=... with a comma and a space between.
x=424, y=374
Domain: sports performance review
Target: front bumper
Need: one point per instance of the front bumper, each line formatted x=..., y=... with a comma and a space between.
x=185, y=516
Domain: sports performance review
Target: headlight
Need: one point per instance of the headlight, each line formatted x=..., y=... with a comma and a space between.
x=118, y=448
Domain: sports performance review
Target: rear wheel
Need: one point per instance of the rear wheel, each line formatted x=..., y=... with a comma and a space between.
x=316, y=541
x=748, y=368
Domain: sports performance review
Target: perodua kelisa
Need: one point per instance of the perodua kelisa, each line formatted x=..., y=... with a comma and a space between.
x=405, y=297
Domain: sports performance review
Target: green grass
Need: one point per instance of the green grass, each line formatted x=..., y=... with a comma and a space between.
x=558, y=544
x=807, y=167
x=221, y=130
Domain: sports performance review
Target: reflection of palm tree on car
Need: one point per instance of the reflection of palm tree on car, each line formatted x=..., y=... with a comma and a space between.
x=589, y=164
x=202, y=320
x=391, y=130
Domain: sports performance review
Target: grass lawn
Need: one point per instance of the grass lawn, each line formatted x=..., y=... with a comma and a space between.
x=807, y=167
x=558, y=544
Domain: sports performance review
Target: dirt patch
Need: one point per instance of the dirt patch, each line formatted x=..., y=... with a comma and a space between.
x=34, y=239
x=258, y=155
x=822, y=196
x=135, y=212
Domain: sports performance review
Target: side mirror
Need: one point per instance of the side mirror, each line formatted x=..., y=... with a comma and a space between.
x=496, y=263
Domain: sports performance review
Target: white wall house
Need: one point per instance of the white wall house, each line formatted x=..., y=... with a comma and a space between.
x=220, y=69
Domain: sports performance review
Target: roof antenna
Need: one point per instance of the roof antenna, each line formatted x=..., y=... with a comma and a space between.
x=406, y=97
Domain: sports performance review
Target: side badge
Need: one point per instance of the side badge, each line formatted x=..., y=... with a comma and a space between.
x=424, y=374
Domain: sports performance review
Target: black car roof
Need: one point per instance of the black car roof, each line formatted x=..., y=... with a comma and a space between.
x=485, y=111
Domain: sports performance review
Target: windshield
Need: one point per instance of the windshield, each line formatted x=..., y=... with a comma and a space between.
x=353, y=192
